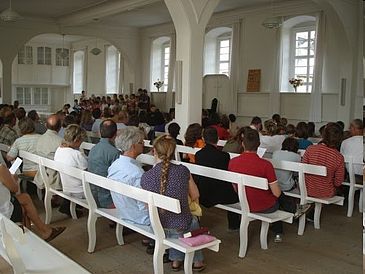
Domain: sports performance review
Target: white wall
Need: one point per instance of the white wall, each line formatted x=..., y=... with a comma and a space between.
x=258, y=50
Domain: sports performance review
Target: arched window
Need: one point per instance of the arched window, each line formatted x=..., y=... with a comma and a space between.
x=160, y=60
x=217, y=51
x=298, y=52
x=112, y=69
x=78, y=71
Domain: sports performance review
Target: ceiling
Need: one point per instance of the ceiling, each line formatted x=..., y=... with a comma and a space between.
x=134, y=13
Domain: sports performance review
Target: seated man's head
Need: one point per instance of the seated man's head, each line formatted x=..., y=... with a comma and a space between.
x=26, y=126
x=130, y=142
x=174, y=130
x=108, y=129
x=54, y=122
x=96, y=113
x=210, y=135
x=357, y=127
x=332, y=135
x=74, y=136
x=33, y=115
x=251, y=140
x=9, y=118
x=20, y=113
x=257, y=122
x=290, y=144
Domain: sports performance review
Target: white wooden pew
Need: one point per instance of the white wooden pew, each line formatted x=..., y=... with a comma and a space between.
x=301, y=193
x=153, y=201
x=353, y=186
x=301, y=168
x=242, y=207
x=27, y=253
x=50, y=191
x=24, y=182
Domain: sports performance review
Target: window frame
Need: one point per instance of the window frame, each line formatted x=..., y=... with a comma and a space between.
x=27, y=59
x=220, y=38
x=293, y=57
x=117, y=57
x=62, y=62
x=82, y=71
x=32, y=90
x=43, y=58
x=164, y=67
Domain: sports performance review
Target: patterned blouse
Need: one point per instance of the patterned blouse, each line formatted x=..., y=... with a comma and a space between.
x=177, y=187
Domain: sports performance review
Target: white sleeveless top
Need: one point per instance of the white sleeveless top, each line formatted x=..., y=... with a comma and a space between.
x=6, y=207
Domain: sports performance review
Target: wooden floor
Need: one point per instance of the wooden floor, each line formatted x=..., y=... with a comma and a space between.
x=335, y=248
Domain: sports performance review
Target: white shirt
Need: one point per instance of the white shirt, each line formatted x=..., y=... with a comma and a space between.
x=271, y=143
x=96, y=126
x=6, y=207
x=74, y=158
x=353, y=146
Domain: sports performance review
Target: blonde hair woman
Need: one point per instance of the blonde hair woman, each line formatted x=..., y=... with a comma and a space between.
x=69, y=154
x=174, y=181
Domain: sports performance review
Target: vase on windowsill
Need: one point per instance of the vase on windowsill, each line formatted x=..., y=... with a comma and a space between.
x=158, y=84
x=295, y=82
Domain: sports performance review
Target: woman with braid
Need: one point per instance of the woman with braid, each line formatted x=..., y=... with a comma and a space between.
x=174, y=181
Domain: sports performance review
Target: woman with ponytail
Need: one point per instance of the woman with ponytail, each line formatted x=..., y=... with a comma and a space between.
x=174, y=181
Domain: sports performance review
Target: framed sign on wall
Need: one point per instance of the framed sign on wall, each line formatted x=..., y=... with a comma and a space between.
x=253, y=80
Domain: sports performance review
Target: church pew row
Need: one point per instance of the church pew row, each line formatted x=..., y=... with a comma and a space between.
x=152, y=200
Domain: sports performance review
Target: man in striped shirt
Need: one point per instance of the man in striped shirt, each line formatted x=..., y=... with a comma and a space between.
x=327, y=154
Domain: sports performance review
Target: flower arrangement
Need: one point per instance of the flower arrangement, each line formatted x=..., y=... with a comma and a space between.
x=158, y=84
x=296, y=82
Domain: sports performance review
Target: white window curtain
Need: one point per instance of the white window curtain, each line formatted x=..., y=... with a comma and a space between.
x=315, y=114
x=78, y=71
x=235, y=62
x=112, y=69
x=171, y=82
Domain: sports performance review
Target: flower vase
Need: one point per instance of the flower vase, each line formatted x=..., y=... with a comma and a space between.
x=158, y=89
x=295, y=89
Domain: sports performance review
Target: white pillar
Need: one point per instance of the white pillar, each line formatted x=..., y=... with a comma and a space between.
x=190, y=19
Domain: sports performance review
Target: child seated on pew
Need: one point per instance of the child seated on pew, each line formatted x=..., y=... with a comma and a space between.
x=174, y=181
x=289, y=152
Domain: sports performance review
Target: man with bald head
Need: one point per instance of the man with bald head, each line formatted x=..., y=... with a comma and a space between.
x=47, y=146
x=101, y=156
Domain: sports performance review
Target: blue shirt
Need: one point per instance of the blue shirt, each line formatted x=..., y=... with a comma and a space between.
x=304, y=143
x=128, y=171
x=100, y=158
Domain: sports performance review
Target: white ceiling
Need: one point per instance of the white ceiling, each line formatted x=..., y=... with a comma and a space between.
x=135, y=13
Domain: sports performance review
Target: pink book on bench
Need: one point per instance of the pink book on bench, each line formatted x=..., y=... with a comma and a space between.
x=198, y=240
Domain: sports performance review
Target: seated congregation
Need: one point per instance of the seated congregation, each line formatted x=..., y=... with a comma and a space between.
x=120, y=124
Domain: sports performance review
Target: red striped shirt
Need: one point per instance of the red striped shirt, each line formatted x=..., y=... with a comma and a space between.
x=324, y=186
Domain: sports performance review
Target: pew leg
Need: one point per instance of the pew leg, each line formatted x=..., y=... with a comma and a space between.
x=119, y=235
x=361, y=197
x=188, y=263
x=317, y=215
x=73, y=210
x=91, y=229
x=301, y=226
x=263, y=234
x=158, y=257
x=39, y=194
x=243, y=236
x=350, y=206
x=48, y=206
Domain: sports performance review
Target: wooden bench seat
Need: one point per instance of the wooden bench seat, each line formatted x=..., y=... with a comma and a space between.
x=27, y=253
x=353, y=186
x=156, y=232
x=242, y=207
